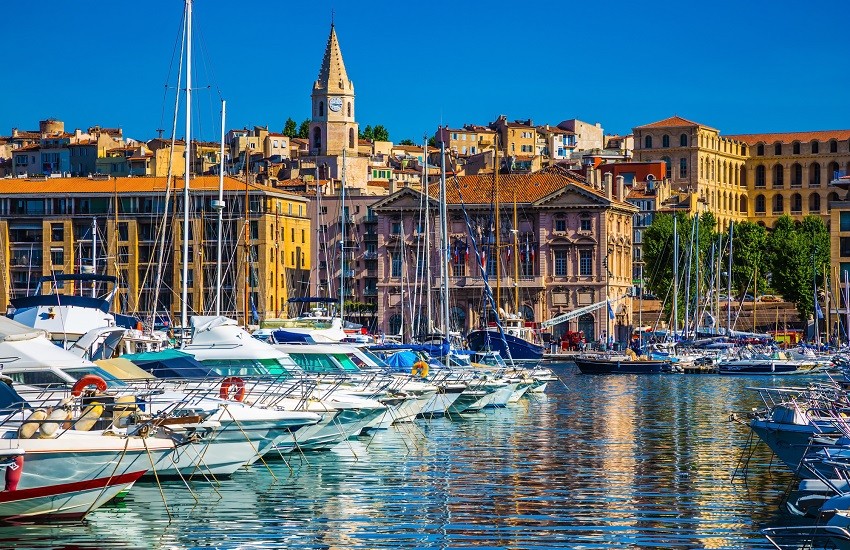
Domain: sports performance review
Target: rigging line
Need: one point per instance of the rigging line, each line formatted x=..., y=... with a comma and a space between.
x=171, y=66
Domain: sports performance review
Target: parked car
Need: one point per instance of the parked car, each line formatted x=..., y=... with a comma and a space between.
x=746, y=298
x=769, y=298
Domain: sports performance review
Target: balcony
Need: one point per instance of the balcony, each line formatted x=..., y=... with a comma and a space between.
x=370, y=255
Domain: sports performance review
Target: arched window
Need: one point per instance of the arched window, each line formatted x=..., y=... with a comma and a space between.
x=394, y=324
x=796, y=203
x=778, y=204
x=796, y=175
x=743, y=206
x=669, y=167
x=349, y=109
x=742, y=178
x=833, y=197
x=777, y=149
x=683, y=140
x=665, y=140
x=321, y=108
x=587, y=325
x=831, y=171
x=317, y=138
x=683, y=167
x=778, y=176
x=760, y=207
x=743, y=150
x=795, y=148
x=833, y=146
x=815, y=146
x=761, y=176
x=351, y=138
x=814, y=202
x=760, y=149
x=814, y=174
x=647, y=142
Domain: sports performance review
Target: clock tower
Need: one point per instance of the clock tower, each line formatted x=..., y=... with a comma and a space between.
x=333, y=129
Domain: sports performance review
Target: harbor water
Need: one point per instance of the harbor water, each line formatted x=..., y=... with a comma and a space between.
x=595, y=462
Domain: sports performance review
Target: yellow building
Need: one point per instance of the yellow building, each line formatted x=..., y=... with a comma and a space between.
x=47, y=226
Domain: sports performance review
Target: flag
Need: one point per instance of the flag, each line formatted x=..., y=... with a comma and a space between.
x=509, y=253
x=532, y=251
x=818, y=310
x=610, y=311
x=254, y=313
x=466, y=256
x=484, y=260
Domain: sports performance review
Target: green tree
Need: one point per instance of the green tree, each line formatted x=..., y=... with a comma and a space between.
x=304, y=129
x=432, y=141
x=749, y=242
x=797, y=253
x=367, y=133
x=381, y=133
x=406, y=142
x=289, y=128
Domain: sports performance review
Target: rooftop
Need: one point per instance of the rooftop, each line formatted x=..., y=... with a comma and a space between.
x=819, y=135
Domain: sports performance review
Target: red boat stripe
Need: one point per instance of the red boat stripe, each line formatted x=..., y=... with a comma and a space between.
x=77, y=486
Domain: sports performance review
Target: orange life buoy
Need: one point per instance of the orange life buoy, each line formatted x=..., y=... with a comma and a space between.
x=237, y=383
x=420, y=368
x=88, y=380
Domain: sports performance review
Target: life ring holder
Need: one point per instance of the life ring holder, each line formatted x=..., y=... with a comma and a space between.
x=232, y=382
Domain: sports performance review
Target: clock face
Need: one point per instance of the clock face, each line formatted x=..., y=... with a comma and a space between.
x=335, y=104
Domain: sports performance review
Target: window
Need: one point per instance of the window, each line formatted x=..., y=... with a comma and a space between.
x=795, y=148
x=317, y=138
x=351, y=138
x=303, y=237
x=683, y=140
x=777, y=149
x=814, y=175
x=395, y=228
x=57, y=232
x=321, y=108
x=560, y=263
x=57, y=256
x=778, y=204
x=683, y=167
x=665, y=140
x=815, y=147
x=844, y=247
x=844, y=221
x=814, y=204
x=778, y=176
x=668, y=166
x=796, y=175
x=833, y=146
x=585, y=224
x=760, y=206
x=796, y=203
x=349, y=109
x=647, y=142
x=760, y=149
x=760, y=176
x=585, y=262
x=560, y=225
x=292, y=234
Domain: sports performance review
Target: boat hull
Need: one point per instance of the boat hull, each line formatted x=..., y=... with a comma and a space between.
x=617, y=366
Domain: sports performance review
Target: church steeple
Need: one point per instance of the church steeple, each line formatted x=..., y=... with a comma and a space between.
x=332, y=75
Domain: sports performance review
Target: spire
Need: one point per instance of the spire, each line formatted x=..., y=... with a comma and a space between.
x=332, y=75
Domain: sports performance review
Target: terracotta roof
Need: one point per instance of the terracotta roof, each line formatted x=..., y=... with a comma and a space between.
x=272, y=134
x=32, y=147
x=381, y=184
x=673, y=121
x=820, y=135
x=525, y=187
x=79, y=186
x=408, y=148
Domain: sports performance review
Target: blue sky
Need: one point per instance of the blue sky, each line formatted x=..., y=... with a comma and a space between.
x=742, y=67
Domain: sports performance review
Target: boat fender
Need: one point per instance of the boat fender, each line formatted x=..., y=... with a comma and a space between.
x=51, y=424
x=30, y=426
x=89, y=417
x=420, y=368
x=13, y=473
x=86, y=381
x=238, y=386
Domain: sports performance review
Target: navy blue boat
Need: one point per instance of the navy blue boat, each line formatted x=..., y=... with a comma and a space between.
x=618, y=365
x=491, y=340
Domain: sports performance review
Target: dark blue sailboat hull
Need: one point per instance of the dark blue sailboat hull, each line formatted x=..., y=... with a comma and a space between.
x=489, y=340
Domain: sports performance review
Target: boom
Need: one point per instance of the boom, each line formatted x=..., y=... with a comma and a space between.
x=578, y=312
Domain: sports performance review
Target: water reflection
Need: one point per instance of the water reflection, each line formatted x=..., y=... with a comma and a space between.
x=604, y=462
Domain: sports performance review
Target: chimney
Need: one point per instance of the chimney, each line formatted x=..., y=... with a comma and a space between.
x=609, y=183
x=392, y=186
x=621, y=188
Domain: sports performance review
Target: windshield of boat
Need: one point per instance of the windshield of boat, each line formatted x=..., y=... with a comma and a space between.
x=251, y=367
x=376, y=361
x=349, y=362
x=315, y=362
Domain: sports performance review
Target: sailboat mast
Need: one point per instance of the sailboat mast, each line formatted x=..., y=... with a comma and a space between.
x=184, y=313
x=93, y=256
x=428, y=311
x=675, y=277
x=729, y=283
x=516, y=259
x=343, y=221
x=498, y=241
x=444, y=240
x=220, y=207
